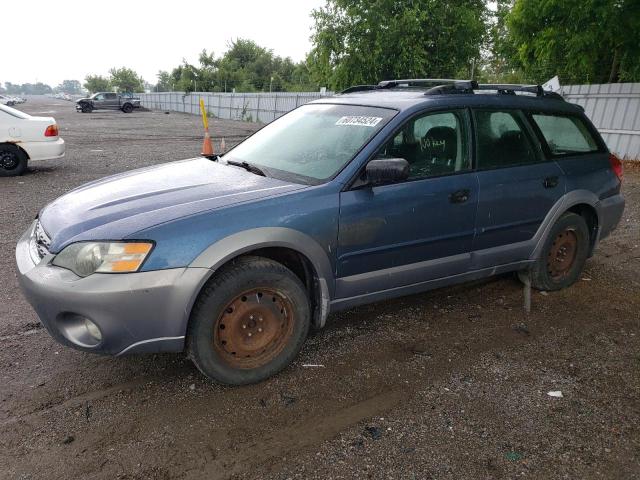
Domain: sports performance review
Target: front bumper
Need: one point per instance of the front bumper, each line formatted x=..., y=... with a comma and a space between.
x=135, y=312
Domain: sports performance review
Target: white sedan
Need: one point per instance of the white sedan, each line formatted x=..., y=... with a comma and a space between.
x=24, y=138
x=6, y=100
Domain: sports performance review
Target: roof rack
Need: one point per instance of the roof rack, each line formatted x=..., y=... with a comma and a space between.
x=359, y=88
x=412, y=82
x=449, y=86
x=512, y=88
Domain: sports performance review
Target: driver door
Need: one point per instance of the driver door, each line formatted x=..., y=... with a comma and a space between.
x=397, y=235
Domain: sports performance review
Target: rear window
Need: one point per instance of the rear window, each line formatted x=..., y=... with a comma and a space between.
x=565, y=134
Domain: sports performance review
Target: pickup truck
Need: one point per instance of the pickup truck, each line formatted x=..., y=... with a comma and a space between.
x=108, y=101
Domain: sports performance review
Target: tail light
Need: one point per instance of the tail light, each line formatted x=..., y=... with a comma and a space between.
x=51, y=131
x=616, y=166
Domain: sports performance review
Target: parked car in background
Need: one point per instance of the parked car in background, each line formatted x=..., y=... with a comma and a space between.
x=382, y=191
x=108, y=101
x=25, y=138
x=6, y=100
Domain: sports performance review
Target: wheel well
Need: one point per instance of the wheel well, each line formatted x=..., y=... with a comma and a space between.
x=301, y=266
x=591, y=217
x=18, y=146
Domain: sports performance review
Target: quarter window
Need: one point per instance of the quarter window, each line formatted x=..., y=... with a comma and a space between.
x=501, y=140
x=565, y=134
x=434, y=144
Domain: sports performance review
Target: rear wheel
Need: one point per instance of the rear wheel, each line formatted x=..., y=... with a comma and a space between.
x=563, y=255
x=249, y=322
x=127, y=108
x=13, y=161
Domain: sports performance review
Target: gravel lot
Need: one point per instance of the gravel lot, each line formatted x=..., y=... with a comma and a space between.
x=451, y=384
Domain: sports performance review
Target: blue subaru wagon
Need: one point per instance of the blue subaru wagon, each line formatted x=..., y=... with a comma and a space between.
x=378, y=192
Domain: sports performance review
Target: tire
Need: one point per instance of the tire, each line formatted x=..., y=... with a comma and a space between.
x=13, y=161
x=86, y=108
x=249, y=322
x=127, y=108
x=563, y=255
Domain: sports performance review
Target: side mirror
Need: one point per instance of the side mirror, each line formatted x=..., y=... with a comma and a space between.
x=386, y=171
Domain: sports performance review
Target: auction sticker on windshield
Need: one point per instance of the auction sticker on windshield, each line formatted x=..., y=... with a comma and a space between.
x=359, y=121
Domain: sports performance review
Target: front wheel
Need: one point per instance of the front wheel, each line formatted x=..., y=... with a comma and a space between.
x=563, y=255
x=86, y=108
x=249, y=322
x=127, y=108
x=13, y=161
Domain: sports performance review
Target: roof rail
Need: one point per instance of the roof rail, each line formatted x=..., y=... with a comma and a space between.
x=512, y=88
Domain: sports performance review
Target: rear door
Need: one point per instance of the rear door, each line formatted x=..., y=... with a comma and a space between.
x=518, y=186
x=421, y=229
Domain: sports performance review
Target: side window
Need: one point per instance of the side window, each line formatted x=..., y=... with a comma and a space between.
x=501, y=141
x=110, y=96
x=99, y=97
x=434, y=144
x=565, y=134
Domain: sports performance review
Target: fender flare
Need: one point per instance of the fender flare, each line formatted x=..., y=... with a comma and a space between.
x=227, y=248
x=564, y=203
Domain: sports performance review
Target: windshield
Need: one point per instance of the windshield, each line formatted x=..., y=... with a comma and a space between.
x=312, y=143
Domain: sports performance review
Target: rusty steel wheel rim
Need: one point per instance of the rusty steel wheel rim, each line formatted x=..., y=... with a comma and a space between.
x=253, y=328
x=562, y=254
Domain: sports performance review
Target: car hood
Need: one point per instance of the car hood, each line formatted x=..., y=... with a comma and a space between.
x=117, y=207
x=82, y=100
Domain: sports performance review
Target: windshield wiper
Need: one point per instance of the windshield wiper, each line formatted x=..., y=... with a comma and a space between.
x=248, y=167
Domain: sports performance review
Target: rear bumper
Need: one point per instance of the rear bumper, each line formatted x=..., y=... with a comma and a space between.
x=609, y=214
x=135, y=312
x=45, y=150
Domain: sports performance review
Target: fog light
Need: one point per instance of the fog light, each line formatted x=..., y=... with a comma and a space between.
x=93, y=329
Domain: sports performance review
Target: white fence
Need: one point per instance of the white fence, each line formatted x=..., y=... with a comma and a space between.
x=250, y=107
x=614, y=108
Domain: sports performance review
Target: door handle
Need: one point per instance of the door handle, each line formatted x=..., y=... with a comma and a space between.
x=550, y=182
x=460, y=196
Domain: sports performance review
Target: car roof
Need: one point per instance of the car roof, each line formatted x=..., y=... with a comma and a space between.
x=410, y=98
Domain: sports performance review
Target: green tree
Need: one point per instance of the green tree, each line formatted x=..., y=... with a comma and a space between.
x=245, y=67
x=582, y=41
x=126, y=80
x=164, y=83
x=365, y=41
x=69, y=86
x=97, y=83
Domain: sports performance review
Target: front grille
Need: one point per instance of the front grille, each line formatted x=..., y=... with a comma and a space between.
x=42, y=242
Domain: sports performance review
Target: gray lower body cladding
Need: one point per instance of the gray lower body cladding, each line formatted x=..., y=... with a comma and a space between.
x=135, y=312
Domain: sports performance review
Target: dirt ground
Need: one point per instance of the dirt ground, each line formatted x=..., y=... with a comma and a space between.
x=451, y=384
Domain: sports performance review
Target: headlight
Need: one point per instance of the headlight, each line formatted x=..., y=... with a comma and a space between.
x=85, y=258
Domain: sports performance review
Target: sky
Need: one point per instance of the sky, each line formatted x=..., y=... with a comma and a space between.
x=54, y=41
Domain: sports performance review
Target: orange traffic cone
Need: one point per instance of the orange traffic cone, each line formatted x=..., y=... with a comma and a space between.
x=207, y=146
